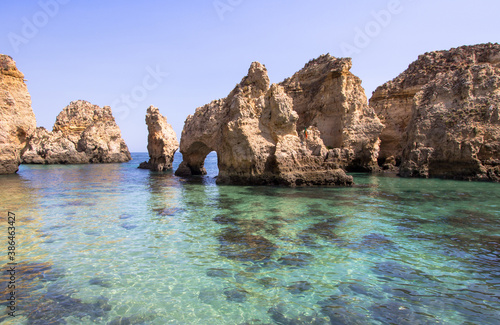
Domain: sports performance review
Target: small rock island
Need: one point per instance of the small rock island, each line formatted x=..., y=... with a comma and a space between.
x=83, y=133
x=162, y=141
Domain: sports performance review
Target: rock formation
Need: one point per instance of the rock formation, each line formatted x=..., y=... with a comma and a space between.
x=442, y=115
x=260, y=136
x=83, y=133
x=328, y=96
x=162, y=141
x=17, y=120
x=419, y=105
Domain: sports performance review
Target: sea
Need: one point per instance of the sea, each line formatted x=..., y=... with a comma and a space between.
x=114, y=244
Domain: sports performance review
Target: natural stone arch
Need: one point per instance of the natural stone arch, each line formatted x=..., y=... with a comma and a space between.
x=193, y=159
x=254, y=133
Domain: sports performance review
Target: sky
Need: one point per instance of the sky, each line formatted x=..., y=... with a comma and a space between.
x=179, y=55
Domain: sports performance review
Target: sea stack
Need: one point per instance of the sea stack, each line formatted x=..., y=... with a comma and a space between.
x=162, y=141
x=83, y=133
x=275, y=134
x=17, y=120
x=442, y=115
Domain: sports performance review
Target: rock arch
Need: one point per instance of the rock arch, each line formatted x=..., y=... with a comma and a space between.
x=258, y=130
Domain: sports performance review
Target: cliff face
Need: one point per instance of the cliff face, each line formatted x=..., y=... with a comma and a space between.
x=455, y=124
x=83, y=133
x=394, y=102
x=328, y=96
x=258, y=137
x=162, y=141
x=17, y=120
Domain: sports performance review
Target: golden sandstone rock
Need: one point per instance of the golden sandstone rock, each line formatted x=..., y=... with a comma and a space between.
x=17, y=120
x=442, y=115
x=83, y=133
x=162, y=141
x=276, y=134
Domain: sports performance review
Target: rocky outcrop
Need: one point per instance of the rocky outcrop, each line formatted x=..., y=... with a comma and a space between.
x=17, y=120
x=328, y=96
x=454, y=130
x=83, y=133
x=261, y=138
x=394, y=102
x=162, y=141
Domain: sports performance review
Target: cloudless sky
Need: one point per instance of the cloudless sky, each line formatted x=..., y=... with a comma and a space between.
x=179, y=55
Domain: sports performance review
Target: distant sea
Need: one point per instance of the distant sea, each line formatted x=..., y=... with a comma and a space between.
x=113, y=244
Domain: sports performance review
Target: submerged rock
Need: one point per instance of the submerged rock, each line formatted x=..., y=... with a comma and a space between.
x=284, y=315
x=260, y=136
x=242, y=246
x=236, y=295
x=296, y=259
x=162, y=141
x=100, y=282
x=299, y=287
x=442, y=115
x=83, y=133
x=17, y=120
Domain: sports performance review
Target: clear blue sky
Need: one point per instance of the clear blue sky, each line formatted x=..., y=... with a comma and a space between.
x=178, y=55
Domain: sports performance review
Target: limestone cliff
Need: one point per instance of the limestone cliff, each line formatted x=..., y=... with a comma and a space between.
x=162, y=141
x=454, y=128
x=394, y=102
x=83, y=133
x=328, y=96
x=17, y=120
x=254, y=132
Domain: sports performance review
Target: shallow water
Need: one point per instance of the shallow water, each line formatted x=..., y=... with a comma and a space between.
x=112, y=244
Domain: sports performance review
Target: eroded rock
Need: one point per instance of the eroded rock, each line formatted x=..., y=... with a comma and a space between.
x=17, y=120
x=162, y=141
x=442, y=115
x=83, y=133
x=328, y=96
x=260, y=136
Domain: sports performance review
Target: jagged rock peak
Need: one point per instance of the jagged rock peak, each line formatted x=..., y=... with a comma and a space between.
x=328, y=62
x=17, y=120
x=257, y=77
x=162, y=141
x=8, y=67
x=431, y=64
x=83, y=133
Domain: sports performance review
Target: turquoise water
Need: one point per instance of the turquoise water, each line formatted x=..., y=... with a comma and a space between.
x=112, y=244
